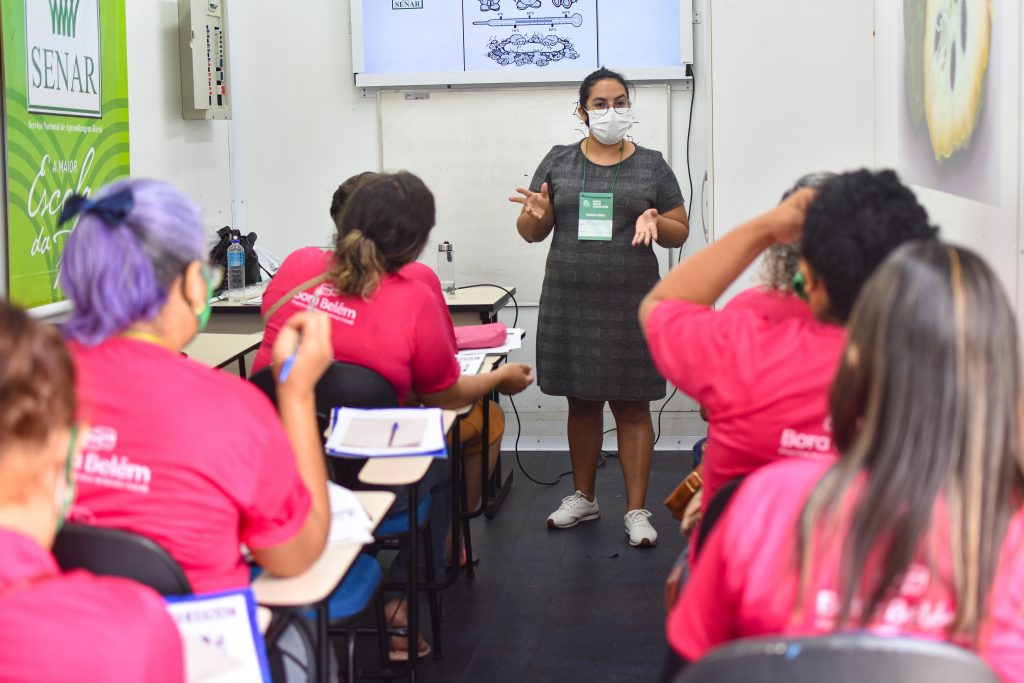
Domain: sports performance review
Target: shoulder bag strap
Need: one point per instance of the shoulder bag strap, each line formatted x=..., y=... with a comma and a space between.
x=312, y=282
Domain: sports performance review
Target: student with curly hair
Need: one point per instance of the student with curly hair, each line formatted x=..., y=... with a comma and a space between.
x=918, y=528
x=765, y=383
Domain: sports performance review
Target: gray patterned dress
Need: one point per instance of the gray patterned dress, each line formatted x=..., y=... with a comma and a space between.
x=589, y=343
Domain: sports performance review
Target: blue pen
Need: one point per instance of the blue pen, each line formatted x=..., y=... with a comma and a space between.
x=286, y=366
x=394, y=430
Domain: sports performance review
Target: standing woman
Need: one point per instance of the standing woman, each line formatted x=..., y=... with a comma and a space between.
x=606, y=199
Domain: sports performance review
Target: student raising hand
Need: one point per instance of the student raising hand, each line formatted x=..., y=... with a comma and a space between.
x=789, y=215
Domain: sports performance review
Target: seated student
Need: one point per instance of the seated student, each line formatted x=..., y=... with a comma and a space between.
x=765, y=383
x=471, y=426
x=918, y=528
x=191, y=457
x=774, y=300
x=386, y=321
x=54, y=626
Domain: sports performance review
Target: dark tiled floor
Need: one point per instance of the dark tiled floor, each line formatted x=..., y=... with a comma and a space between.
x=572, y=605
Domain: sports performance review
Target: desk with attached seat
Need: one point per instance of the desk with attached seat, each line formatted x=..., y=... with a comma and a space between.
x=220, y=349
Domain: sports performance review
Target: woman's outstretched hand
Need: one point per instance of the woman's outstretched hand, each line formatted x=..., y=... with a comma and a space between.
x=536, y=204
x=646, y=228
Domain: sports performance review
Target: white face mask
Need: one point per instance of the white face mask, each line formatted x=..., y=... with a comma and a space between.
x=610, y=127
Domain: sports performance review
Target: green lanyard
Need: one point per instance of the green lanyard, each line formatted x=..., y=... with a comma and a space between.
x=615, y=180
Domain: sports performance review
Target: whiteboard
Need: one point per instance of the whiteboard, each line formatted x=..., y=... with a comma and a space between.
x=473, y=163
x=403, y=43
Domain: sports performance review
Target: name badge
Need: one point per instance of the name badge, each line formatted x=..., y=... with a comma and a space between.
x=596, y=211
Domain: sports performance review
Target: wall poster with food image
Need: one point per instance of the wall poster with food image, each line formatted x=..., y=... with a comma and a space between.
x=951, y=73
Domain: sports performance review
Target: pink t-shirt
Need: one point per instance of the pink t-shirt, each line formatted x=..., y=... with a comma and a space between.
x=771, y=305
x=427, y=277
x=195, y=459
x=400, y=331
x=77, y=627
x=764, y=383
x=746, y=583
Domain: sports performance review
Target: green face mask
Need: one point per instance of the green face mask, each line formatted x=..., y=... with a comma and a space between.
x=204, y=315
x=800, y=286
x=64, y=494
x=212, y=278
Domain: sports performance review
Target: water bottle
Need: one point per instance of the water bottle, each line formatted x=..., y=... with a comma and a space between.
x=446, y=267
x=236, y=270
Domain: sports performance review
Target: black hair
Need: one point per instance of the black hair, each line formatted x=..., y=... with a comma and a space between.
x=386, y=224
x=856, y=220
x=601, y=74
x=344, y=191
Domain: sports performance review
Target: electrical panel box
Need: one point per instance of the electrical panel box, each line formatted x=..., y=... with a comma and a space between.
x=205, y=86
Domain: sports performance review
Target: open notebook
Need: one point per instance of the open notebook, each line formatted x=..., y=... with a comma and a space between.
x=383, y=432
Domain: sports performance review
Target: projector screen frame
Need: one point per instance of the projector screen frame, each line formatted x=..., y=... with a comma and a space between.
x=657, y=74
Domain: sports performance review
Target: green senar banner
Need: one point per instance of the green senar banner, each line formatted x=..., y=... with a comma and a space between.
x=66, y=103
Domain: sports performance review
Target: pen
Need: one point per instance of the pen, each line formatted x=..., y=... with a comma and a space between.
x=286, y=366
x=394, y=430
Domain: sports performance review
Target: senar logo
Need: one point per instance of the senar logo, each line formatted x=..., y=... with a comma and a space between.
x=62, y=54
x=64, y=16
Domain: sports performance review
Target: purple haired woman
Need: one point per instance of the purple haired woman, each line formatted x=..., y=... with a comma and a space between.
x=192, y=458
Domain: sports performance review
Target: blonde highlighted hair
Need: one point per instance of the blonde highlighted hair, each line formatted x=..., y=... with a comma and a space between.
x=926, y=404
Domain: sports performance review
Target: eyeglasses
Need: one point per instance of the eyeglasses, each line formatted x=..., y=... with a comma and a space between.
x=601, y=108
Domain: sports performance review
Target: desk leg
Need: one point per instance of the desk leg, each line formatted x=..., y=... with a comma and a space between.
x=241, y=366
x=323, y=643
x=460, y=505
x=500, y=488
x=495, y=489
x=412, y=577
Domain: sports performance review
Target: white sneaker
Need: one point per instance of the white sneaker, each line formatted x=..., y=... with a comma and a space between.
x=639, y=529
x=573, y=510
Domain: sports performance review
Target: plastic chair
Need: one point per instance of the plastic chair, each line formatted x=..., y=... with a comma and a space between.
x=115, y=552
x=343, y=384
x=839, y=658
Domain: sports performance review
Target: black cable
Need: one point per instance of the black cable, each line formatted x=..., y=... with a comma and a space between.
x=519, y=428
x=657, y=436
x=515, y=303
x=519, y=423
x=689, y=171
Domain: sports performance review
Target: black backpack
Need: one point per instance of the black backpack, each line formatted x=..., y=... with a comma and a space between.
x=219, y=255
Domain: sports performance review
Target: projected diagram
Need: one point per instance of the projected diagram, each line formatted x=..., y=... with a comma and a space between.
x=523, y=5
x=538, y=49
x=528, y=36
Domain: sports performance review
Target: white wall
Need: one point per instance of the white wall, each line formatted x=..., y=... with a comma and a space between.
x=793, y=92
x=190, y=154
x=302, y=124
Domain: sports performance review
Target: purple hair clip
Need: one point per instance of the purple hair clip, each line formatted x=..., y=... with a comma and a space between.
x=113, y=209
